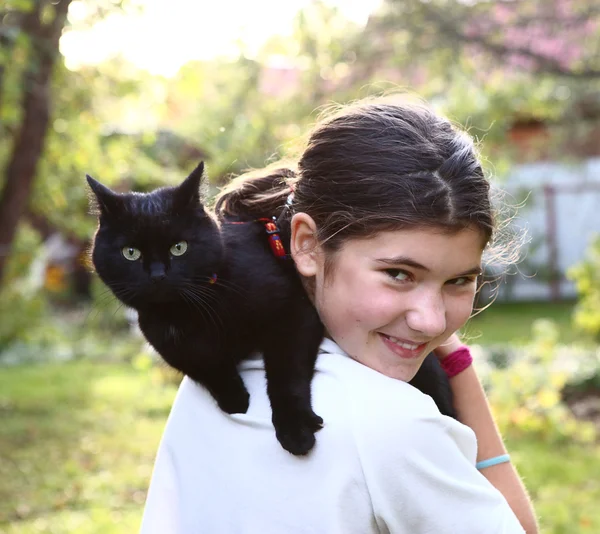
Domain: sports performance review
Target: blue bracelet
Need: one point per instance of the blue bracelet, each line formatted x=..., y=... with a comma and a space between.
x=493, y=461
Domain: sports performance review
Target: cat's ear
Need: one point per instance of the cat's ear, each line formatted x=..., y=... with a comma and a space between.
x=105, y=200
x=187, y=195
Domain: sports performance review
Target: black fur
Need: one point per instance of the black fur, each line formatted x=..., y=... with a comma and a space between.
x=204, y=329
x=432, y=380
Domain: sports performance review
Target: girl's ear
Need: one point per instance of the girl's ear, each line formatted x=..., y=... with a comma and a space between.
x=304, y=246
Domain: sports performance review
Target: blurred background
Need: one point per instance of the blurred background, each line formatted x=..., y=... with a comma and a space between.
x=136, y=92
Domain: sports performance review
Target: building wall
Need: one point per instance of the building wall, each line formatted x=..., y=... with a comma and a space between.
x=561, y=215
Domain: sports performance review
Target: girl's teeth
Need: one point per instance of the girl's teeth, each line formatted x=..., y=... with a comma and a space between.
x=407, y=346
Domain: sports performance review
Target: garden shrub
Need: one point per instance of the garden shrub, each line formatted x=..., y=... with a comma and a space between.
x=586, y=276
x=526, y=396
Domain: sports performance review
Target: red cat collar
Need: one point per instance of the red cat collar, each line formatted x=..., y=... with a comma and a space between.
x=274, y=241
x=273, y=232
x=274, y=238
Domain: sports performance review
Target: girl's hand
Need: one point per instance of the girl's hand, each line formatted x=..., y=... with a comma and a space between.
x=448, y=347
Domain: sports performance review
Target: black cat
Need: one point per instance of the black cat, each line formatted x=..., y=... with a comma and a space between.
x=209, y=295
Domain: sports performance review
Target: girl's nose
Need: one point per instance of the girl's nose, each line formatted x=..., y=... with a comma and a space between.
x=427, y=314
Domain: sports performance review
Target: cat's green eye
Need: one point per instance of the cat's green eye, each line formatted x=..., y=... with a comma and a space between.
x=131, y=253
x=178, y=249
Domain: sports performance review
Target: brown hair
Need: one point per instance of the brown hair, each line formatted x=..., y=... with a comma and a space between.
x=374, y=166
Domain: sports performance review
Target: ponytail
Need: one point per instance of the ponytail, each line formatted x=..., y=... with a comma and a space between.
x=260, y=193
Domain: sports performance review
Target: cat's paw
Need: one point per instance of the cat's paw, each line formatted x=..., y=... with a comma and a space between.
x=234, y=401
x=296, y=433
x=314, y=421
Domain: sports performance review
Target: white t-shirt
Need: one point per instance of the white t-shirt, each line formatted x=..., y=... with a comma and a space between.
x=386, y=461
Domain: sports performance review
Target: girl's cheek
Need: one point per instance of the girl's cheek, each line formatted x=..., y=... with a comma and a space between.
x=463, y=312
x=378, y=305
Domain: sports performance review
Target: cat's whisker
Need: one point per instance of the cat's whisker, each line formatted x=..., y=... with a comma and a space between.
x=205, y=306
x=107, y=298
x=228, y=284
x=198, y=305
x=108, y=295
x=125, y=292
x=211, y=312
x=105, y=292
x=106, y=301
x=118, y=308
x=98, y=307
x=202, y=293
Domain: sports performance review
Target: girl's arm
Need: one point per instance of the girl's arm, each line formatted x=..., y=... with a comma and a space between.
x=473, y=410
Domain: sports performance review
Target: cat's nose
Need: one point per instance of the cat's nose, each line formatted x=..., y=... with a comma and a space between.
x=157, y=272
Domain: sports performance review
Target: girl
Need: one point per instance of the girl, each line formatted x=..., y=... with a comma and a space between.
x=390, y=217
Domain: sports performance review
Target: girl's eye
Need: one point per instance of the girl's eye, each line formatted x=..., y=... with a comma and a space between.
x=131, y=253
x=462, y=281
x=398, y=275
x=178, y=249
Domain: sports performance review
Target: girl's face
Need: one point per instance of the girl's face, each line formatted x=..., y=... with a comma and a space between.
x=388, y=301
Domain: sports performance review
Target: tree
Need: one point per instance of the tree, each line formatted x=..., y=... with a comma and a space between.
x=491, y=64
x=42, y=25
x=556, y=37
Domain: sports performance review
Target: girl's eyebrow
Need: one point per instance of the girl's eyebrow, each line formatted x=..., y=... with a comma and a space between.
x=405, y=260
x=402, y=260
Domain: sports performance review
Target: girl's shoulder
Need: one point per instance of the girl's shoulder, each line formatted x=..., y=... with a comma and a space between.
x=382, y=412
x=369, y=388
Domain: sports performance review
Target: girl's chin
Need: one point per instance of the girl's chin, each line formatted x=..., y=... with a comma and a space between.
x=403, y=377
x=404, y=373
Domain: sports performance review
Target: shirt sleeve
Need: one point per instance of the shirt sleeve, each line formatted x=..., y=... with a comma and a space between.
x=422, y=480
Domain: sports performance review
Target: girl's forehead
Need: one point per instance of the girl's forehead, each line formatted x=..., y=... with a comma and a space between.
x=426, y=246
x=424, y=237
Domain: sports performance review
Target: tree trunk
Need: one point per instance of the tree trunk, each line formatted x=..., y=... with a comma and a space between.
x=5, y=46
x=29, y=140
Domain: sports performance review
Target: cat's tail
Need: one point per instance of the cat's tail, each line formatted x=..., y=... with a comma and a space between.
x=259, y=193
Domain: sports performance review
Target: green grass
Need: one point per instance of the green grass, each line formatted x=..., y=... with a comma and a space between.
x=503, y=323
x=77, y=443
x=564, y=484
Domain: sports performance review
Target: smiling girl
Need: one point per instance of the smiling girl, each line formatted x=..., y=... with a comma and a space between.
x=390, y=218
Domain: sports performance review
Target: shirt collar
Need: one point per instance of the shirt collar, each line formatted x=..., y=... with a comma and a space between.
x=328, y=346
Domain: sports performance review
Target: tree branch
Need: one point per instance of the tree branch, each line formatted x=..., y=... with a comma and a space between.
x=500, y=50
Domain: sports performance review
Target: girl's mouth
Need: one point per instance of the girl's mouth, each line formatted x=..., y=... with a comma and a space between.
x=403, y=348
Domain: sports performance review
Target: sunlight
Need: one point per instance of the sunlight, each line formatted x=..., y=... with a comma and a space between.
x=168, y=34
